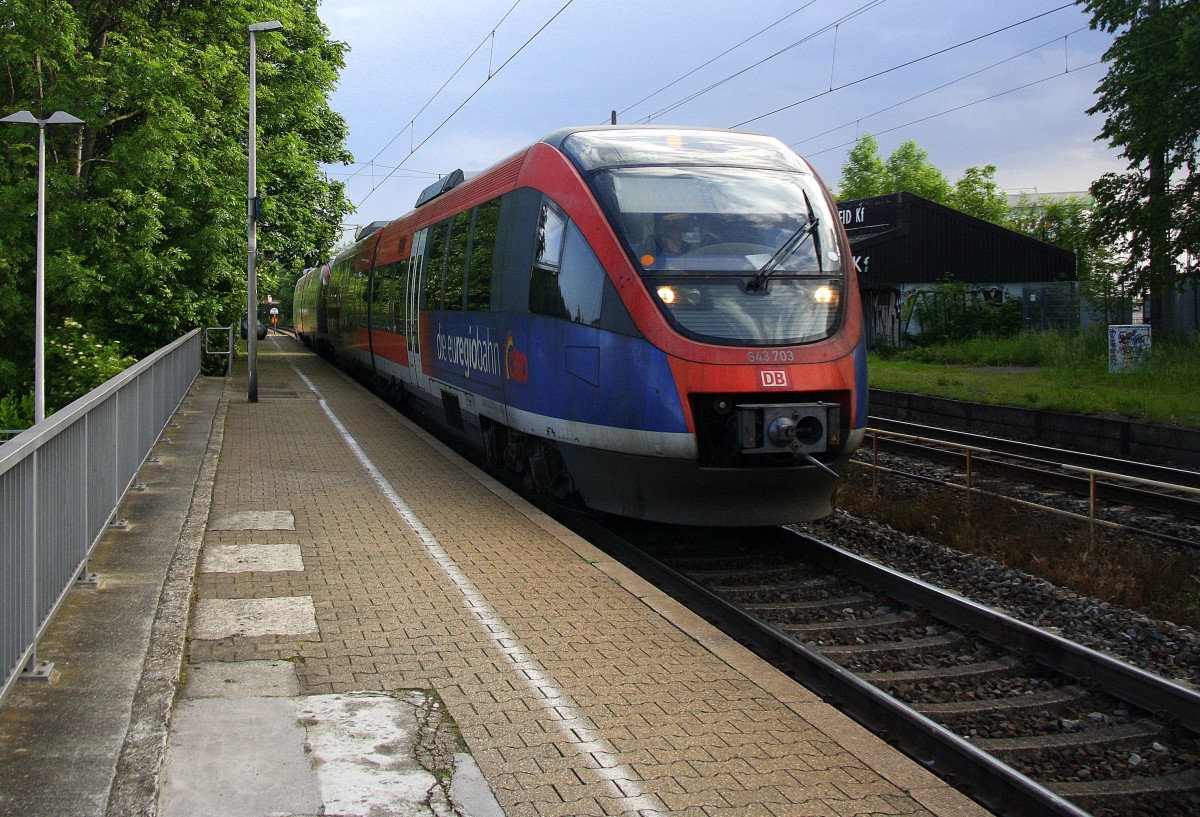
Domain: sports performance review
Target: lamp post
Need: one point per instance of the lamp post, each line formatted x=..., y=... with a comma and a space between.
x=39, y=330
x=254, y=205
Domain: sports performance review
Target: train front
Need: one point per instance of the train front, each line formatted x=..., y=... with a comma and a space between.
x=741, y=274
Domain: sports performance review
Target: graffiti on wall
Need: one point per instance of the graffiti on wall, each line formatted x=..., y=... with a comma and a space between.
x=1128, y=347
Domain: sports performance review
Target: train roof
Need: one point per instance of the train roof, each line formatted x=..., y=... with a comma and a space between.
x=610, y=146
x=555, y=138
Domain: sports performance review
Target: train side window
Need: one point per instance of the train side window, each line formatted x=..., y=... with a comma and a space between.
x=456, y=260
x=549, y=237
x=396, y=299
x=435, y=269
x=380, y=290
x=385, y=282
x=545, y=298
x=483, y=250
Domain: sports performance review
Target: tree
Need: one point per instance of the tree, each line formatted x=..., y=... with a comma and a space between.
x=865, y=174
x=908, y=169
x=147, y=201
x=1068, y=223
x=977, y=194
x=1150, y=97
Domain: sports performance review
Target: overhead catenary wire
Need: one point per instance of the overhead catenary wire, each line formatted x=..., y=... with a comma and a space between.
x=709, y=62
x=807, y=38
x=1055, y=75
x=965, y=105
x=491, y=75
x=412, y=121
x=905, y=64
x=943, y=86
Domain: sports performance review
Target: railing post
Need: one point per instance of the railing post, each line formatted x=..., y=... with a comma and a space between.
x=36, y=670
x=1091, y=509
x=874, y=465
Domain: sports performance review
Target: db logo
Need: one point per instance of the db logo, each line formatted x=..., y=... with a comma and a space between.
x=774, y=380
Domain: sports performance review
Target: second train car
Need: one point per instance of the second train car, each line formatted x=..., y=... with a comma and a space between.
x=662, y=323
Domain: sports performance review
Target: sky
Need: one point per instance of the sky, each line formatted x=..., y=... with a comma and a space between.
x=434, y=85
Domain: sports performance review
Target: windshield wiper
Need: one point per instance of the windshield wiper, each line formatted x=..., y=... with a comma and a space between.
x=793, y=243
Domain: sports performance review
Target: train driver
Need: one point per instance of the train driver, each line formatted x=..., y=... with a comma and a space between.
x=671, y=232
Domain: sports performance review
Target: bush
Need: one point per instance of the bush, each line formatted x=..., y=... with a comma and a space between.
x=16, y=411
x=77, y=362
x=950, y=312
x=883, y=346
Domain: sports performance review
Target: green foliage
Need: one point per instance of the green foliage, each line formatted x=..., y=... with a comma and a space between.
x=146, y=212
x=1149, y=214
x=908, y=169
x=952, y=312
x=1052, y=348
x=1068, y=223
x=77, y=362
x=977, y=194
x=864, y=173
x=16, y=411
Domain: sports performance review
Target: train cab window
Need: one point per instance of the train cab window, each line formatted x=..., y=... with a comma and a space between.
x=483, y=249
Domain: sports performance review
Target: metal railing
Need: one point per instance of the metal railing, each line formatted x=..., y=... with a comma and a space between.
x=226, y=335
x=969, y=452
x=60, y=484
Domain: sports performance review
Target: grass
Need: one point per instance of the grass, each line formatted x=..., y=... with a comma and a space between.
x=1047, y=370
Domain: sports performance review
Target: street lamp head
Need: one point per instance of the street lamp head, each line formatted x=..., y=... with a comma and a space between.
x=63, y=118
x=56, y=118
x=270, y=25
x=21, y=118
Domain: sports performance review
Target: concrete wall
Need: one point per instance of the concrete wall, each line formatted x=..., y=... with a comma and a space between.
x=1145, y=442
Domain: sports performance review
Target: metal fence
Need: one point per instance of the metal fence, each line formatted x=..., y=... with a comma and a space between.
x=61, y=482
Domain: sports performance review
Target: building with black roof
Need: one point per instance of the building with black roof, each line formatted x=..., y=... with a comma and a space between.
x=904, y=245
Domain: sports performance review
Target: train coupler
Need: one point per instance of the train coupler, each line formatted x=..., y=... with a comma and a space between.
x=781, y=428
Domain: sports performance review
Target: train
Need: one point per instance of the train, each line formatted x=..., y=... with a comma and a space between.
x=651, y=322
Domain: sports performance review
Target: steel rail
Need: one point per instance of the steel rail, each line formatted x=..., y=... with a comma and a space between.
x=991, y=782
x=1125, y=681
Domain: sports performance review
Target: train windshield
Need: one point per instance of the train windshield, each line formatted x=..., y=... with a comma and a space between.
x=737, y=248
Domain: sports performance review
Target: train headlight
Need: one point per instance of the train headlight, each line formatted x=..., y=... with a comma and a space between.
x=825, y=295
x=676, y=296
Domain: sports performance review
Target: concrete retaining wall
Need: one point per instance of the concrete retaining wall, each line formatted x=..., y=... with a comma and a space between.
x=1145, y=442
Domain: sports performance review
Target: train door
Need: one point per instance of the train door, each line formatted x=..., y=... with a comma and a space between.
x=371, y=296
x=412, y=305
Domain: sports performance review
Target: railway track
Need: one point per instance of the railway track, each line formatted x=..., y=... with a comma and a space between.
x=1099, y=488
x=1026, y=722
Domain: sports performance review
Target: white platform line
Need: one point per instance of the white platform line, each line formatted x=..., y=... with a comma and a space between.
x=598, y=754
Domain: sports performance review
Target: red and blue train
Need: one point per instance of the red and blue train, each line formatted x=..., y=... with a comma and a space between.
x=661, y=323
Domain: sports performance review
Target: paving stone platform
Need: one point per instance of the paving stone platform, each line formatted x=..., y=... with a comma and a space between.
x=406, y=636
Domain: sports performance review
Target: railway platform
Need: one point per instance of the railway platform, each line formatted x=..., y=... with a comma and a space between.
x=343, y=617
